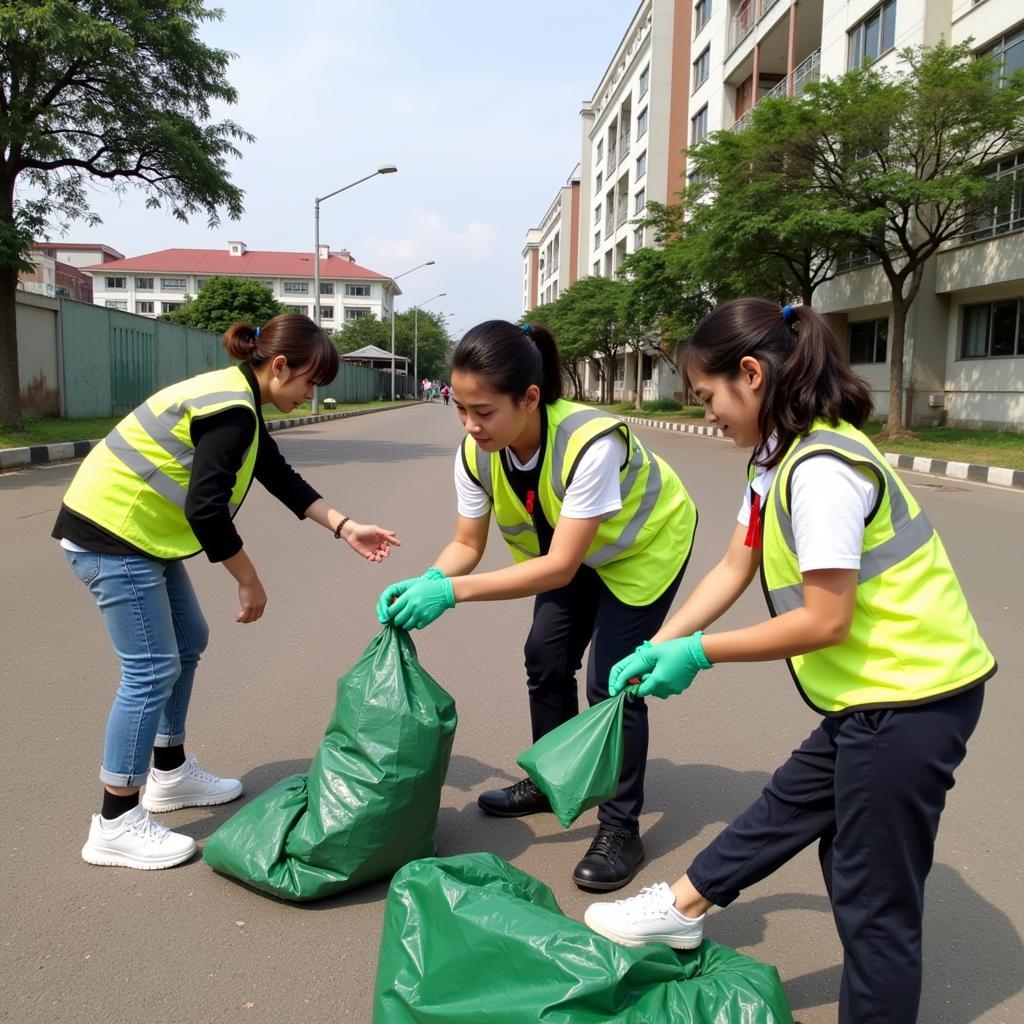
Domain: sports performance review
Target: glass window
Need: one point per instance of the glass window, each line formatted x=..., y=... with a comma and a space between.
x=327, y=288
x=701, y=13
x=641, y=165
x=645, y=82
x=304, y=310
x=639, y=200
x=597, y=239
x=296, y=287
x=869, y=341
x=597, y=268
x=144, y=284
x=993, y=329
x=598, y=182
x=326, y=312
x=170, y=307
x=116, y=304
x=702, y=67
x=873, y=36
x=1004, y=328
x=641, y=123
x=699, y=125
x=172, y=284
x=358, y=289
x=600, y=151
x=356, y=312
x=1010, y=53
x=638, y=239
x=144, y=307
x=117, y=282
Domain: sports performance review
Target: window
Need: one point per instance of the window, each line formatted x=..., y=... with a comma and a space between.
x=645, y=82
x=304, y=310
x=200, y=281
x=639, y=200
x=1010, y=53
x=600, y=151
x=641, y=165
x=641, y=123
x=993, y=329
x=1007, y=214
x=597, y=239
x=597, y=268
x=356, y=313
x=144, y=307
x=117, y=282
x=326, y=287
x=699, y=125
x=875, y=35
x=172, y=284
x=116, y=304
x=170, y=307
x=638, y=239
x=326, y=312
x=597, y=214
x=296, y=287
x=869, y=341
x=144, y=284
x=702, y=67
x=598, y=182
x=701, y=13
x=358, y=289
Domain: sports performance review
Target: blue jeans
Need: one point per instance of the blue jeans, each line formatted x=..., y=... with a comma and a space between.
x=158, y=631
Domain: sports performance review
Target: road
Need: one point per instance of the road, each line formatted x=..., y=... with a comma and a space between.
x=84, y=944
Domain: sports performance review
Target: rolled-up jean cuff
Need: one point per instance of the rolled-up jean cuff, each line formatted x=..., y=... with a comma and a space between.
x=125, y=781
x=175, y=740
x=708, y=891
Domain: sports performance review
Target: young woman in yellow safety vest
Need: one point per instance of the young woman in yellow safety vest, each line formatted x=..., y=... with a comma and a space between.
x=870, y=617
x=600, y=528
x=162, y=486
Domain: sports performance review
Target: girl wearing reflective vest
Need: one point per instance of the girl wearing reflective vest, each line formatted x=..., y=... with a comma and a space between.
x=600, y=529
x=871, y=620
x=162, y=486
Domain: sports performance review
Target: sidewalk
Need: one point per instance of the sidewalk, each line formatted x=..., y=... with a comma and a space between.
x=38, y=454
x=998, y=476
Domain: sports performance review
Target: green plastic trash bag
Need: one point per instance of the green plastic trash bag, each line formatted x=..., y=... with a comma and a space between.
x=577, y=766
x=474, y=940
x=369, y=803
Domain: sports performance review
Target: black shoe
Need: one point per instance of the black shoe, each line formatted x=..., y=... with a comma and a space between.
x=515, y=801
x=611, y=861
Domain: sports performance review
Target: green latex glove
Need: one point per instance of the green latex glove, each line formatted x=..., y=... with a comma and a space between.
x=423, y=601
x=389, y=594
x=675, y=664
x=632, y=666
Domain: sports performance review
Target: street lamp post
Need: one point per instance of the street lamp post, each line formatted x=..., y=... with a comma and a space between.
x=383, y=169
x=416, y=338
x=419, y=266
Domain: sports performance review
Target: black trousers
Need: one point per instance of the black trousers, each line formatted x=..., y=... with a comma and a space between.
x=564, y=622
x=869, y=788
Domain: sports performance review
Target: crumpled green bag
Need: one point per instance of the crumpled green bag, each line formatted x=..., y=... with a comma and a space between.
x=474, y=940
x=577, y=766
x=369, y=803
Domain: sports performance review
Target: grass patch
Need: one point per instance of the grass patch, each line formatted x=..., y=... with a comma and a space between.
x=954, y=444
x=54, y=431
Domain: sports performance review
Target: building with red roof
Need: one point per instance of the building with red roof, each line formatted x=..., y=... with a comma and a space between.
x=159, y=282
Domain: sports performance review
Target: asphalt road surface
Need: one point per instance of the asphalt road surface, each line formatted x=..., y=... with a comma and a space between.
x=85, y=944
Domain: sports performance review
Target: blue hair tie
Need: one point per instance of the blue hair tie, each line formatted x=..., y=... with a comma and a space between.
x=527, y=328
x=257, y=334
x=787, y=315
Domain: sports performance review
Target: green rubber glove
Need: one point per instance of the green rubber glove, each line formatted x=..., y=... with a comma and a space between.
x=425, y=600
x=676, y=662
x=389, y=594
x=632, y=666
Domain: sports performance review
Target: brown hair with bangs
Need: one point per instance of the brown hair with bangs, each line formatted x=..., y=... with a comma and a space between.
x=292, y=335
x=806, y=376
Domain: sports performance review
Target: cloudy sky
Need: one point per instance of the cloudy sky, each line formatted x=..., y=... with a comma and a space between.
x=477, y=103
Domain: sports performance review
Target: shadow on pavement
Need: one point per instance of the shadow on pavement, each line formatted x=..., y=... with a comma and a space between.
x=311, y=450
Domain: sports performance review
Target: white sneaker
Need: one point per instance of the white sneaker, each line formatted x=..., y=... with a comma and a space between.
x=650, y=916
x=187, y=786
x=135, y=840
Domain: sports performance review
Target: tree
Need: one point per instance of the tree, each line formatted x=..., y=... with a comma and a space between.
x=118, y=92
x=902, y=164
x=423, y=339
x=224, y=301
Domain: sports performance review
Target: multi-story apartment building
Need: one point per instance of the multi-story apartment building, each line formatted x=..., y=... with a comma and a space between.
x=696, y=66
x=160, y=282
x=58, y=269
x=550, y=256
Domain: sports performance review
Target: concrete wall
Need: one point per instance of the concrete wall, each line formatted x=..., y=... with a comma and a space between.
x=38, y=354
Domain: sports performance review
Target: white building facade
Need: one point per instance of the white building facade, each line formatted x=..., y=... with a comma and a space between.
x=550, y=256
x=161, y=282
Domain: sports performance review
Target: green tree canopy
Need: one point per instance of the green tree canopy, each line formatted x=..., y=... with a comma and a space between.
x=423, y=338
x=223, y=301
x=119, y=92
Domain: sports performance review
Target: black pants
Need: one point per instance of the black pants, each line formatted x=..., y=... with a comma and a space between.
x=564, y=622
x=869, y=788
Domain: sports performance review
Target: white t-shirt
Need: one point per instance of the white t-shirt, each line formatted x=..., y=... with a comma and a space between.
x=594, y=490
x=829, y=500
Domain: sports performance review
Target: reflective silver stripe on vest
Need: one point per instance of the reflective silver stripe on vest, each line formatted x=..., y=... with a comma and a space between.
x=145, y=470
x=632, y=529
x=484, y=471
x=160, y=430
x=563, y=435
x=910, y=534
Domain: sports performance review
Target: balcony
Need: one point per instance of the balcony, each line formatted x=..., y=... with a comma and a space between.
x=623, y=147
x=741, y=24
x=806, y=72
x=621, y=214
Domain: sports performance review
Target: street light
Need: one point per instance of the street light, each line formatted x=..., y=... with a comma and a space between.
x=404, y=273
x=416, y=337
x=383, y=169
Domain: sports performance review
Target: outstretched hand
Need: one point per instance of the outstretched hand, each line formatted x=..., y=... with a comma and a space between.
x=662, y=669
x=414, y=604
x=372, y=542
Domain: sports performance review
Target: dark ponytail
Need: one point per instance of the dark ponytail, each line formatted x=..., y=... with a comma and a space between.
x=509, y=358
x=806, y=376
x=292, y=335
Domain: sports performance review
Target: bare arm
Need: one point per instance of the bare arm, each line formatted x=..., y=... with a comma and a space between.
x=252, y=598
x=372, y=542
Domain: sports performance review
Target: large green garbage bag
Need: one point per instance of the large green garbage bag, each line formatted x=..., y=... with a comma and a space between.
x=474, y=940
x=369, y=803
x=577, y=766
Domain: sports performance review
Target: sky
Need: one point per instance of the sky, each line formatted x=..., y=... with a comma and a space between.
x=476, y=102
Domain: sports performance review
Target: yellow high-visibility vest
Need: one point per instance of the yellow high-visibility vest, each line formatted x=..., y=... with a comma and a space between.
x=638, y=551
x=134, y=482
x=913, y=638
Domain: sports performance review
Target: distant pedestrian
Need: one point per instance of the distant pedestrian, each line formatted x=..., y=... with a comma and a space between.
x=164, y=485
x=445, y=393
x=427, y=387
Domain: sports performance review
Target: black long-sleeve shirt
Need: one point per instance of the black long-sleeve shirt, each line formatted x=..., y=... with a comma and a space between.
x=221, y=441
